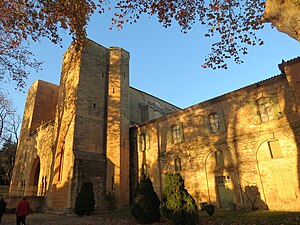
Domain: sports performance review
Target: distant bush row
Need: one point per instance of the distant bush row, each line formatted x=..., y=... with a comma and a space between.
x=177, y=204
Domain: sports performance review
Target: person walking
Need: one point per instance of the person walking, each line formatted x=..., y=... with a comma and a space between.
x=22, y=211
x=2, y=208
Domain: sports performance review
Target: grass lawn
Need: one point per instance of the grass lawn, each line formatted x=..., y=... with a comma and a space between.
x=123, y=217
x=251, y=218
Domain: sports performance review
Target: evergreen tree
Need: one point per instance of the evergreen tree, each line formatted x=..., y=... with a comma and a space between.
x=7, y=159
x=179, y=206
x=146, y=203
x=85, y=201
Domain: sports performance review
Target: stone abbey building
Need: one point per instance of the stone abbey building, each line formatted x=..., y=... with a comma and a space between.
x=238, y=151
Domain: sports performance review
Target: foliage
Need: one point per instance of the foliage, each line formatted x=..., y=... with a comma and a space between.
x=9, y=120
x=22, y=21
x=7, y=159
x=85, y=201
x=179, y=205
x=9, y=124
x=234, y=22
x=146, y=203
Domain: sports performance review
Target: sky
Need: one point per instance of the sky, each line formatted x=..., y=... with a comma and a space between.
x=167, y=63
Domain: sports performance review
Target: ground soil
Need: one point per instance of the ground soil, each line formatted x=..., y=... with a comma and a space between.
x=52, y=219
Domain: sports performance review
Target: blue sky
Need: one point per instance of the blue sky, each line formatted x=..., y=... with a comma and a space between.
x=166, y=63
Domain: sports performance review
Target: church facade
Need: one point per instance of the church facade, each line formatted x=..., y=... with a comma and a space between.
x=238, y=151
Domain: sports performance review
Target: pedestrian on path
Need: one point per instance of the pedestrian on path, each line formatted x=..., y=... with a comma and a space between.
x=22, y=211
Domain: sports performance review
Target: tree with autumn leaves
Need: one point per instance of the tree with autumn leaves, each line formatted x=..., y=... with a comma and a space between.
x=233, y=22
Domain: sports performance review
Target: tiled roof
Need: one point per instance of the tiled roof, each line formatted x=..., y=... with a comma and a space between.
x=288, y=63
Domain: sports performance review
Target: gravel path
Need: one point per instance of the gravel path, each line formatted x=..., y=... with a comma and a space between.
x=51, y=219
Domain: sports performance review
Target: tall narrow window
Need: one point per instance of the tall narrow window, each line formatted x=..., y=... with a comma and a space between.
x=265, y=109
x=144, y=141
x=61, y=164
x=214, y=123
x=275, y=150
x=112, y=182
x=176, y=133
x=177, y=164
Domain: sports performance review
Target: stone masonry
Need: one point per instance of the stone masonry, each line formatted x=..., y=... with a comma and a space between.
x=79, y=131
x=239, y=151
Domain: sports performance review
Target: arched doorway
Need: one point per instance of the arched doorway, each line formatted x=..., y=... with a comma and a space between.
x=277, y=166
x=34, y=177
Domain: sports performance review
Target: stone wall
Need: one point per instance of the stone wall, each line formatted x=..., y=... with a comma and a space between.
x=232, y=165
x=145, y=107
x=34, y=152
x=36, y=203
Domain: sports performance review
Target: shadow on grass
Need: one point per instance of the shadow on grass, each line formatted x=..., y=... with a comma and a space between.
x=251, y=218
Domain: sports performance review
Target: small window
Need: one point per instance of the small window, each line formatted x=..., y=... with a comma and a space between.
x=176, y=133
x=214, y=123
x=177, y=164
x=219, y=158
x=265, y=109
x=275, y=150
x=221, y=180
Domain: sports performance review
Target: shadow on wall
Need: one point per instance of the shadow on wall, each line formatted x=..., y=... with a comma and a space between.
x=252, y=198
x=290, y=110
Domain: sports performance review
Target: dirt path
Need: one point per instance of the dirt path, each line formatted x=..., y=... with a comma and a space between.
x=51, y=219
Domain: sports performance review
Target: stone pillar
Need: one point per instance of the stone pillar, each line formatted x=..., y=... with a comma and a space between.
x=80, y=124
x=118, y=126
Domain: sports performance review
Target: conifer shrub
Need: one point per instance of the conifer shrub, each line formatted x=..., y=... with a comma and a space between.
x=178, y=205
x=85, y=201
x=146, y=203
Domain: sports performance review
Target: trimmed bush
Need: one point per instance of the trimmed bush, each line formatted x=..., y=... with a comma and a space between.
x=146, y=203
x=178, y=206
x=85, y=201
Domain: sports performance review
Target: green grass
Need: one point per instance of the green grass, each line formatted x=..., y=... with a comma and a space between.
x=251, y=218
x=230, y=218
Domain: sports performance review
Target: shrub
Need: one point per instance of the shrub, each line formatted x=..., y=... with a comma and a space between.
x=85, y=201
x=178, y=206
x=110, y=201
x=146, y=203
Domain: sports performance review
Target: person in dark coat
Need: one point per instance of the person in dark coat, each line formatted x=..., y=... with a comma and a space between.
x=22, y=211
x=2, y=208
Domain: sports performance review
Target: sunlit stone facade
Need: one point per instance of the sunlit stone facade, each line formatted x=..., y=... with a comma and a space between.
x=79, y=131
x=238, y=151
